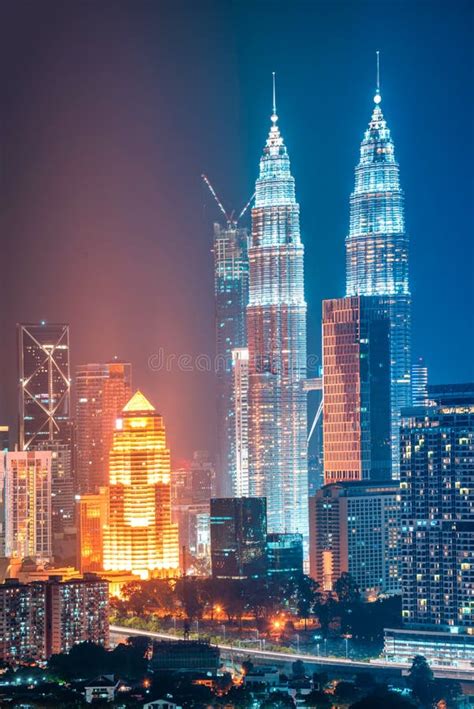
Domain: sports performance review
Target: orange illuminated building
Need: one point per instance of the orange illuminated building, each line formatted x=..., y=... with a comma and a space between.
x=140, y=536
x=91, y=521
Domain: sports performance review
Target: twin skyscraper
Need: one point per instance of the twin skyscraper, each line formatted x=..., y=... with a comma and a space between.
x=261, y=336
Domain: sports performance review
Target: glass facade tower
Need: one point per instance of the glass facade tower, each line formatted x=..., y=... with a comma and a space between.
x=231, y=269
x=276, y=330
x=377, y=254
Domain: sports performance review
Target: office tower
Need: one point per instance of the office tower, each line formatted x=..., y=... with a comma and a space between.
x=231, y=274
x=203, y=478
x=285, y=555
x=419, y=383
x=377, y=253
x=354, y=527
x=102, y=390
x=62, y=487
x=276, y=330
x=140, y=536
x=437, y=494
x=27, y=495
x=45, y=617
x=91, y=521
x=238, y=537
x=4, y=438
x=240, y=469
x=44, y=384
x=44, y=414
x=357, y=414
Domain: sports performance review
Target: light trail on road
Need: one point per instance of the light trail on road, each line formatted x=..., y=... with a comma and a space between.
x=367, y=665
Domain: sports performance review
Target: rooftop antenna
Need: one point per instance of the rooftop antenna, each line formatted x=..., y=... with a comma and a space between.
x=378, y=97
x=274, y=114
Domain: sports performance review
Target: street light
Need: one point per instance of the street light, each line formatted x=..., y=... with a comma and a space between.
x=297, y=642
x=223, y=628
x=347, y=638
x=197, y=628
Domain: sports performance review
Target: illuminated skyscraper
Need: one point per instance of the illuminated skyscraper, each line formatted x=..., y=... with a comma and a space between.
x=140, y=536
x=240, y=365
x=377, y=253
x=231, y=284
x=276, y=327
x=27, y=494
x=45, y=413
x=102, y=390
x=44, y=384
x=356, y=363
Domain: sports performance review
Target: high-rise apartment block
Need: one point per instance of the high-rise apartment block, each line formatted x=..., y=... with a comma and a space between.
x=46, y=617
x=240, y=365
x=102, y=390
x=357, y=411
x=437, y=528
x=238, y=537
x=231, y=283
x=140, y=536
x=377, y=253
x=276, y=330
x=354, y=528
x=27, y=505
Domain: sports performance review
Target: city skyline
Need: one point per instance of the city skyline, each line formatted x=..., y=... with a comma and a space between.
x=81, y=234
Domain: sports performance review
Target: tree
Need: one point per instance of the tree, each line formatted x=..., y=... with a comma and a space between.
x=420, y=680
x=84, y=660
x=306, y=591
x=387, y=700
x=346, y=589
x=298, y=668
x=316, y=699
x=325, y=608
x=278, y=700
x=449, y=691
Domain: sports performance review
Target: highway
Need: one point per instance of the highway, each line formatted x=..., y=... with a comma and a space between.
x=346, y=664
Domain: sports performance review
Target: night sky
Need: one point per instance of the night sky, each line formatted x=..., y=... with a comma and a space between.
x=110, y=112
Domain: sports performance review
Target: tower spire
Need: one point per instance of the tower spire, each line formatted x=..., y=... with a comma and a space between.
x=378, y=97
x=274, y=114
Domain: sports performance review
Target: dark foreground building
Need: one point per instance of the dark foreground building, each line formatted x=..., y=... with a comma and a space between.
x=238, y=537
x=185, y=656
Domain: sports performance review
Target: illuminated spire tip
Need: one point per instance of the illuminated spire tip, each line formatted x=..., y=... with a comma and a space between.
x=274, y=114
x=378, y=97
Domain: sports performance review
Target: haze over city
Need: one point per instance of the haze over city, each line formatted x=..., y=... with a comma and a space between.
x=112, y=112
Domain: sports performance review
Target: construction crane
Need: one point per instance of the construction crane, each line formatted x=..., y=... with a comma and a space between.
x=231, y=222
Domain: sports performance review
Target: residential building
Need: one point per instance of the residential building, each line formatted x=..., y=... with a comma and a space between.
x=354, y=528
x=437, y=522
x=27, y=505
